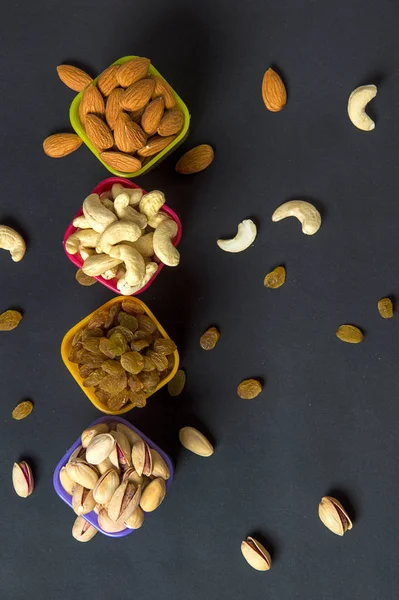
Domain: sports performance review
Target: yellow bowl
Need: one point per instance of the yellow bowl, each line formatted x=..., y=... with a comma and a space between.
x=179, y=139
x=73, y=368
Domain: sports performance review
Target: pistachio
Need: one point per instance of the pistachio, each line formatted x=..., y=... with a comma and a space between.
x=333, y=515
x=159, y=466
x=100, y=448
x=22, y=479
x=82, y=531
x=82, y=500
x=121, y=455
x=136, y=520
x=153, y=495
x=104, y=466
x=124, y=502
x=66, y=481
x=132, y=476
x=106, y=486
x=195, y=441
x=141, y=458
x=107, y=524
x=256, y=554
x=92, y=431
x=131, y=435
x=79, y=452
x=83, y=473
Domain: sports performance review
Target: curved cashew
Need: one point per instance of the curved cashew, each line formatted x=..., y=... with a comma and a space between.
x=98, y=264
x=117, y=232
x=81, y=223
x=108, y=204
x=128, y=290
x=106, y=196
x=163, y=247
x=84, y=237
x=135, y=195
x=117, y=189
x=157, y=220
x=151, y=203
x=110, y=273
x=245, y=236
x=86, y=252
x=134, y=262
x=145, y=245
x=98, y=215
x=305, y=212
x=124, y=211
x=13, y=242
x=357, y=103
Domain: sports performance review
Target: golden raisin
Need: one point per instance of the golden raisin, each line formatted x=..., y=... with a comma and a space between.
x=385, y=308
x=112, y=316
x=22, y=410
x=99, y=318
x=164, y=346
x=275, y=278
x=249, y=389
x=117, y=401
x=210, y=338
x=94, y=378
x=160, y=361
x=118, y=343
x=132, y=307
x=83, y=279
x=9, y=320
x=132, y=362
x=106, y=348
x=128, y=321
x=113, y=384
x=349, y=334
x=112, y=367
x=146, y=323
x=176, y=385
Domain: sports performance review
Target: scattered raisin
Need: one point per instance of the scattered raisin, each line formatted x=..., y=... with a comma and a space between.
x=385, y=308
x=176, y=385
x=22, y=410
x=10, y=320
x=275, y=278
x=349, y=334
x=83, y=279
x=210, y=338
x=249, y=389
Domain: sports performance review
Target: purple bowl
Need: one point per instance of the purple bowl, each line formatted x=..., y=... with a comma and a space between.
x=91, y=517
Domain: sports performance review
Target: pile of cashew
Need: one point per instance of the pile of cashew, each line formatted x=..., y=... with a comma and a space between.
x=124, y=235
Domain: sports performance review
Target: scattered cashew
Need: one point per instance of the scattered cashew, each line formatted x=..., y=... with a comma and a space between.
x=85, y=252
x=163, y=247
x=13, y=242
x=117, y=232
x=82, y=223
x=145, y=245
x=357, y=103
x=245, y=236
x=151, y=203
x=99, y=263
x=84, y=237
x=125, y=211
x=305, y=212
x=98, y=215
x=157, y=220
x=128, y=290
x=134, y=262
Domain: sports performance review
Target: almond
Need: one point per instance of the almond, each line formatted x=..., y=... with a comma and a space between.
x=136, y=115
x=132, y=71
x=163, y=89
x=121, y=162
x=138, y=94
x=273, y=91
x=154, y=145
x=91, y=102
x=98, y=132
x=107, y=80
x=61, y=144
x=74, y=78
x=113, y=107
x=152, y=115
x=129, y=136
x=195, y=160
x=172, y=122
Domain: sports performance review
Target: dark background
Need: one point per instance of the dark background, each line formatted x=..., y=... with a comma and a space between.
x=326, y=421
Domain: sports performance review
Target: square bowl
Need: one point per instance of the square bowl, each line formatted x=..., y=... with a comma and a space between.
x=91, y=517
x=105, y=186
x=73, y=368
x=154, y=160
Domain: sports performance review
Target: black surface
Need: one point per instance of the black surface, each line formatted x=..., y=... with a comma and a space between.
x=327, y=419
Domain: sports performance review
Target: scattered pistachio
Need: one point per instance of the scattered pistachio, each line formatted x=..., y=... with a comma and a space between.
x=195, y=441
x=82, y=531
x=153, y=495
x=333, y=515
x=256, y=554
x=22, y=479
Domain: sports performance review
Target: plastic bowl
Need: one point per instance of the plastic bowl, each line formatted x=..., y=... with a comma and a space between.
x=105, y=186
x=91, y=517
x=73, y=368
x=179, y=139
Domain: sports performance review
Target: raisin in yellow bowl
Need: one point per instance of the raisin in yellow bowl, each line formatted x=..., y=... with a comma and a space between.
x=120, y=355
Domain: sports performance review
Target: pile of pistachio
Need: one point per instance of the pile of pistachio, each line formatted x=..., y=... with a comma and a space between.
x=115, y=473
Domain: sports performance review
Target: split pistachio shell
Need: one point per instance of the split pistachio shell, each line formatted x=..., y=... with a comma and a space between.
x=122, y=449
x=22, y=479
x=79, y=452
x=83, y=473
x=141, y=458
x=82, y=500
x=92, y=431
x=124, y=501
x=66, y=481
x=195, y=441
x=153, y=495
x=136, y=520
x=132, y=476
x=82, y=531
x=106, y=486
x=256, y=554
x=104, y=466
x=159, y=466
x=333, y=515
x=131, y=435
x=100, y=448
x=107, y=524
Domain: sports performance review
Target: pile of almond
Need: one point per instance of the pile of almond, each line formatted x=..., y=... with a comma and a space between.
x=128, y=115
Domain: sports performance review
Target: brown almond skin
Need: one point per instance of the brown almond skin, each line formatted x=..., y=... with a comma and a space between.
x=195, y=160
x=138, y=94
x=73, y=77
x=163, y=89
x=91, y=102
x=129, y=136
x=132, y=71
x=172, y=122
x=154, y=145
x=98, y=132
x=107, y=81
x=61, y=144
x=273, y=91
x=113, y=107
x=121, y=161
x=152, y=115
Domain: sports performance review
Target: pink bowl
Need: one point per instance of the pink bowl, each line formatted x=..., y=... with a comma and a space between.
x=105, y=186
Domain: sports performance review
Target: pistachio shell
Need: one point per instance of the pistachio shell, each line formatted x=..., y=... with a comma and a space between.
x=92, y=431
x=131, y=435
x=104, y=466
x=83, y=473
x=79, y=452
x=66, y=481
x=107, y=524
x=141, y=458
x=153, y=495
x=132, y=476
x=159, y=466
x=82, y=531
x=333, y=515
x=136, y=520
x=82, y=500
x=124, y=502
x=100, y=448
x=22, y=479
x=122, y=449
x=106, y=486
x=256, y=554
x=195, y=441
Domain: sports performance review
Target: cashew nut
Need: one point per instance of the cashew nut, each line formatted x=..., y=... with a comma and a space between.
x=98, y=215
x=110, y=274
x=144, y=245
x=135, y=195
x=245, y=236
x=13, y=242
x=99, y=263
x=124, y=211
x=151, y=203
x=108, y=204
x=357, y=103
x=157, y=220
x=84, y=237
x=134, y=262
x=106, y=196
x=81, y=223
x=128, y=290
x=117, y=189
x=117, y=232
x=85, y=252
x=305, y=212
x=163, y=247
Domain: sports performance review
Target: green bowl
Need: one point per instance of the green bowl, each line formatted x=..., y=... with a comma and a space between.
x=76, y=124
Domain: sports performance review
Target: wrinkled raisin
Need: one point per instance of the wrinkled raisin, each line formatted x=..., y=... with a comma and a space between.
x=164, y=346
x=249, y=389
x=112, y=316
x=134, y=383
x=138, y=399
x=10, y=320
x=385, y=308
x=275, y=278
x=85, y=371
x=113, y=384
x=83, y=279
x=92, y=345
x=146, y=323
x=127, y=334
x=105, y=348
x=77, y=338
x=210, y=338
x=131, y=307
x=118, y=343
x=160, y=361
x=132, y=362
x=99, y=318
x=148, y=364
x=112, y=367
x=76, y=353
x=117, y=401
x=128, y=321
x=138, y=345
x=90, y=333
x=94, y=379
x=150, y=380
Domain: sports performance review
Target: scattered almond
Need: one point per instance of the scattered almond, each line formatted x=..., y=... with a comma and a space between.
x=132, y=71
x=154, y=145
x=275, y=278
x=129, y=136
x=163, y=89
x=152, y=116
x=114, y=108
x=273, y=91
x=22, y=410
x=91, y=102
x=73, y=77
x=385, y=308
x=195, y=160
x=107, y=80
x=349, y=334
x=61, y=144
x=138, y=94
x=121, y=161
x=172, y=122
x=98, y=132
